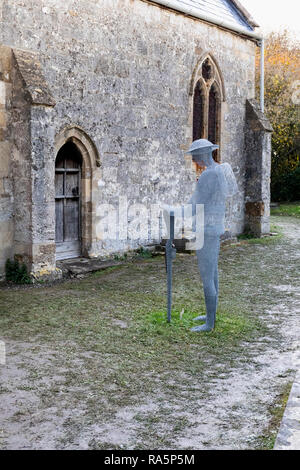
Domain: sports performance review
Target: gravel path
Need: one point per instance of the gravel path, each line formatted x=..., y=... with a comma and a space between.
x=229, y=406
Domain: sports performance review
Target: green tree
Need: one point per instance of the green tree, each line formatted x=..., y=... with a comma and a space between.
x=282, y=106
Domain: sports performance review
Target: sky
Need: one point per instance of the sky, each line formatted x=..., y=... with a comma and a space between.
x=274, y=15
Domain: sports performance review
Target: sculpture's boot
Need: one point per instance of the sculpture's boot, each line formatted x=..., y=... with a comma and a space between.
x=209, y=325
x=201, y=318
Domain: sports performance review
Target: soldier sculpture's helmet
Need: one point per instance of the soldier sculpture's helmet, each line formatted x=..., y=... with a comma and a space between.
x=201, y=146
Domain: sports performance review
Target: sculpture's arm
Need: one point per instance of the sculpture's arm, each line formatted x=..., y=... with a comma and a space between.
x=230, y=180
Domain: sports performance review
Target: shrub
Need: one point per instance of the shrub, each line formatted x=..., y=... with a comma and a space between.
x=282, y=62
x=287, y=187
x=144, y=252
x=16, y=272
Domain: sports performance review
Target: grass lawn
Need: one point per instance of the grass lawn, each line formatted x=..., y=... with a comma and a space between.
x=288, y=209
x=111, y=343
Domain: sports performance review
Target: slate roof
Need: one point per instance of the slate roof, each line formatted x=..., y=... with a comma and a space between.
x=230, y=11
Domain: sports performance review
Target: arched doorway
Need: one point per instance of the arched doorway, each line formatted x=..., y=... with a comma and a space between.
x=68, y=224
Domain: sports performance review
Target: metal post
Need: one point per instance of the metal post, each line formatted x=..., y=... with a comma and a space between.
x=169, y=259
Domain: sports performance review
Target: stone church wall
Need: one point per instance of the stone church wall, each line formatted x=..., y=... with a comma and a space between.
x=122, y=71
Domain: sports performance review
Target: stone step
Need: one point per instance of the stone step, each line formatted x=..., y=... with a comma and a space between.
x=78, y=266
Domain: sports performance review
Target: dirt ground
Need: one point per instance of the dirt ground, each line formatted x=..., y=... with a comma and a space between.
x=92, y=364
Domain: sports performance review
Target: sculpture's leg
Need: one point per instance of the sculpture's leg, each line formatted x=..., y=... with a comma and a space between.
x=202, y=318
x=216, y=281
x=216, y=276
x=208, y=266
x=210, y=302
x=200, y=256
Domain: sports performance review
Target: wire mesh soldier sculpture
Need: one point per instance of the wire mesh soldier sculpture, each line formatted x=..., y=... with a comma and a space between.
x=215, y=185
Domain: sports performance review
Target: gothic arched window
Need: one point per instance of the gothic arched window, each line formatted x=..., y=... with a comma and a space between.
x=207, y=104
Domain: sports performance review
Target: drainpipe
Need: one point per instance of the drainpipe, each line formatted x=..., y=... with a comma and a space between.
x=262, y=75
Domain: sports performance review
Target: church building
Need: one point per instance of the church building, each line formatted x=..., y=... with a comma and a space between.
x=100, y=99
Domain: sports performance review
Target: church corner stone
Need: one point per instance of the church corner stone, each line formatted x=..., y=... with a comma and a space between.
x=258, y=133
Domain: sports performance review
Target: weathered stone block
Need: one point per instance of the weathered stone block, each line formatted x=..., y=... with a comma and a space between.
x=255, y=209
x=2, y=93
x=30, y=70
x=5, y=158
x=257, y=169
x=5, y=62
x=3, y=118
x=6, y=241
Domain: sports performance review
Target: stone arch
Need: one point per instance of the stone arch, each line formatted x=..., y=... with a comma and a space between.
x=90, y=175
x=85, y=144
x=197, y=73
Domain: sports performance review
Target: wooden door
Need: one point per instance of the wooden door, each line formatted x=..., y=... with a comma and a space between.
x=67, y=202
